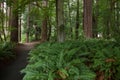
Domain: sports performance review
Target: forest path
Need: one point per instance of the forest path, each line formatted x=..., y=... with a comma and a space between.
x=12, y=71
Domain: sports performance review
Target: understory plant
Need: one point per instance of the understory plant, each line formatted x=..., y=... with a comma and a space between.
x=6, y=50
x=106, y=62
x=74, y=60
x=57, y=61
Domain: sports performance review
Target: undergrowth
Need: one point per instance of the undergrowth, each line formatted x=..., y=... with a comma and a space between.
x=6, y=50
x=74, y=60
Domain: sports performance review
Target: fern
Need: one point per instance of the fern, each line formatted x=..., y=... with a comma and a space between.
x=74, y=60
x=6, y=50
x=55, y=61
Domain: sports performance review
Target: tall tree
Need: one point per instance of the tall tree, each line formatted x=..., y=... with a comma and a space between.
x=28, y=23
x=14, y=22
x=20, y=24
x=70, y=21
x=49, y=28
x=87, y=21
x=1, y=16
x=2, y=21
x=60, y=20
x=95, y=18
x=77, y=21
x=44, y=22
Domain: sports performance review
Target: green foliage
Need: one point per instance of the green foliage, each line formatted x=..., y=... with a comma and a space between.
x=74, y=60
x=6, y=50
x=51, y=61
x=106, y=18
x=107, y=60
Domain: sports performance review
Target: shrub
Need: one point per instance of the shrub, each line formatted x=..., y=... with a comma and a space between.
x=57, y=61
x=106, y=61
x=74, y=60
x=6, y=50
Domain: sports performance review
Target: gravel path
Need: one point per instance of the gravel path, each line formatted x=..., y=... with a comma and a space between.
x=12, y=71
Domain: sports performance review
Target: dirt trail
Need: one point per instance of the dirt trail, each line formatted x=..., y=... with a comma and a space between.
x=12, y=71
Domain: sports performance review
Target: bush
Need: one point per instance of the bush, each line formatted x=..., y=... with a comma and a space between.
x=74, y=60
x=57, y=61
x=6, y=50
x=106, y=61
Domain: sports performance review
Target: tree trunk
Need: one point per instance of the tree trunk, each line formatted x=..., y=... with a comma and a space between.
x=44, y=24
x=1, y=39
x=36, y=32
x=49, y=30
x=60, y=20
x=2, y=21
x=28, y=24
x=14, y=25
x=87, y=21
x=77, y=21
x=71, y=30
x=20, y=29
x=95, y=18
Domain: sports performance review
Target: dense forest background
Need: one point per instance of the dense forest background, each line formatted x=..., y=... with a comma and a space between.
x=79, y=39
x=29, y=20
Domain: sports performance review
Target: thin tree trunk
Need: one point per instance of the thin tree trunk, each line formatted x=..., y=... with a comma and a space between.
x=77, y=21
x=71, y=31
x=19, y=29
x=28, y=24
x=9, y=20
x=2, y=23
x=49, y=32
x=95, y=19
x=1, y=39
x=36, y=32
x=118, y=15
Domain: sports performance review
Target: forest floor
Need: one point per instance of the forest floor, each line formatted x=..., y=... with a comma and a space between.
x=12, y=71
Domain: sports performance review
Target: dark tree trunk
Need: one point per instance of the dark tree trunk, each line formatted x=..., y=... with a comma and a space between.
x=36, y=32
x=95, y=18
x=71, y=30
x=77, y=21
x=49, y=30
x=87, y=21
x=14, y=26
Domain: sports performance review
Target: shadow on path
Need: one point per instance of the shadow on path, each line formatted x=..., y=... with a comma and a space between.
x=12, y=71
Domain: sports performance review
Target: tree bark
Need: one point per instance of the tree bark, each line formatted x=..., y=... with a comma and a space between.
x=49, y=29
x=87, y=21
x=44, y=24
x=77, y=21
x=2, y=21
x=14, y=24
x=28, y=24
x=95, y=19
x=1, y=39
x=20, y=24
x=71, y=30
x=44, y=30
x=60, y=20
